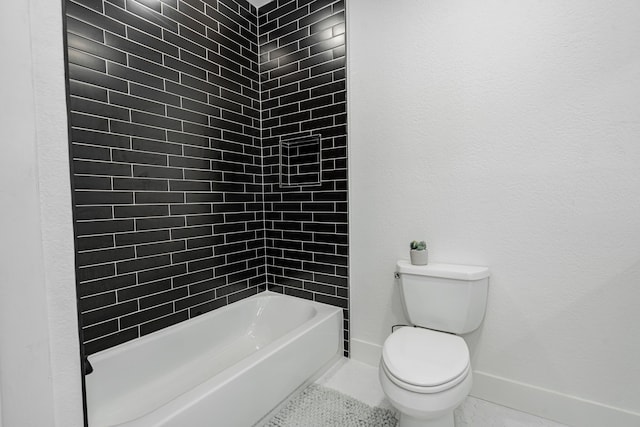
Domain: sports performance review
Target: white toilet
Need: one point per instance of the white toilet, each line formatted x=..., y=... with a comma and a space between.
x=426, y=373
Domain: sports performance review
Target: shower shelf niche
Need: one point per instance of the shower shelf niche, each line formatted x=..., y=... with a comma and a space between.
x=300, y=162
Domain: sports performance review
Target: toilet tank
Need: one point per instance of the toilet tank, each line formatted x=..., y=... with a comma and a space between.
x=444, y=297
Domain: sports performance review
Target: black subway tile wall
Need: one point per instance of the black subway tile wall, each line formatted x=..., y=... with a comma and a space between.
x=167, y=162
x=303, y=87
x=178, y=109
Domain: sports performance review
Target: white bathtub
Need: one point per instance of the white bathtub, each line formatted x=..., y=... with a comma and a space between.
x=229, y=367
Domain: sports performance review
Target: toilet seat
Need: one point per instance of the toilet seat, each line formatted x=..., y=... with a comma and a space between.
x=425, y=361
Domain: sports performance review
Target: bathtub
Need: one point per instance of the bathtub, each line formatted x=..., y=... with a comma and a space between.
x=229, y=367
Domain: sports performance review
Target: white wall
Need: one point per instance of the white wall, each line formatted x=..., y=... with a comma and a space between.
x=505, y=134
x=39, y=363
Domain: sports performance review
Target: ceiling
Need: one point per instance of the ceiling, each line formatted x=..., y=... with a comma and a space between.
x=259, y=3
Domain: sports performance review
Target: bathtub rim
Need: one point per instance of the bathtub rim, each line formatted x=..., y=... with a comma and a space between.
x=95, y=358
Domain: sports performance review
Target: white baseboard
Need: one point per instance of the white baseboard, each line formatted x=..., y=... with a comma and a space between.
x=566, y=409
x=365, y=352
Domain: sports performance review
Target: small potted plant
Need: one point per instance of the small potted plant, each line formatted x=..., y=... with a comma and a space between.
x=419, y=253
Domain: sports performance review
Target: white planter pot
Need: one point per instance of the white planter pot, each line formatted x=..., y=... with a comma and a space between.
x=419, y=257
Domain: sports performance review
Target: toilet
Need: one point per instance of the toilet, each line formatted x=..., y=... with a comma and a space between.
x=425, y=369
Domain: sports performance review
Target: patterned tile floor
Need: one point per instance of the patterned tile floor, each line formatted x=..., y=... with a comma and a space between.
x=360, y=381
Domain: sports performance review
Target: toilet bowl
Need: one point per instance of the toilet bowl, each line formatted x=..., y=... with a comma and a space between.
x=425, y=375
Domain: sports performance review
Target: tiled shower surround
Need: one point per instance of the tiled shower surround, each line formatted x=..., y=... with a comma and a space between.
x=177, y=110
x=302, y=73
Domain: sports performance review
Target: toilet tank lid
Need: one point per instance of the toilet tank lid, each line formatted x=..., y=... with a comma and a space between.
x=447, y=271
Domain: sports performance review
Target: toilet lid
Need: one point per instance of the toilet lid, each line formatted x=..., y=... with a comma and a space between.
x=425, y=358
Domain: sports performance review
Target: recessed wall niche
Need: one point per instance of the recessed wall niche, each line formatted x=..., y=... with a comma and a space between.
x=300, y=162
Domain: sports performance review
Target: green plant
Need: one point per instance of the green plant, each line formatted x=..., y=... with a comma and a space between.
x=418, y=246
